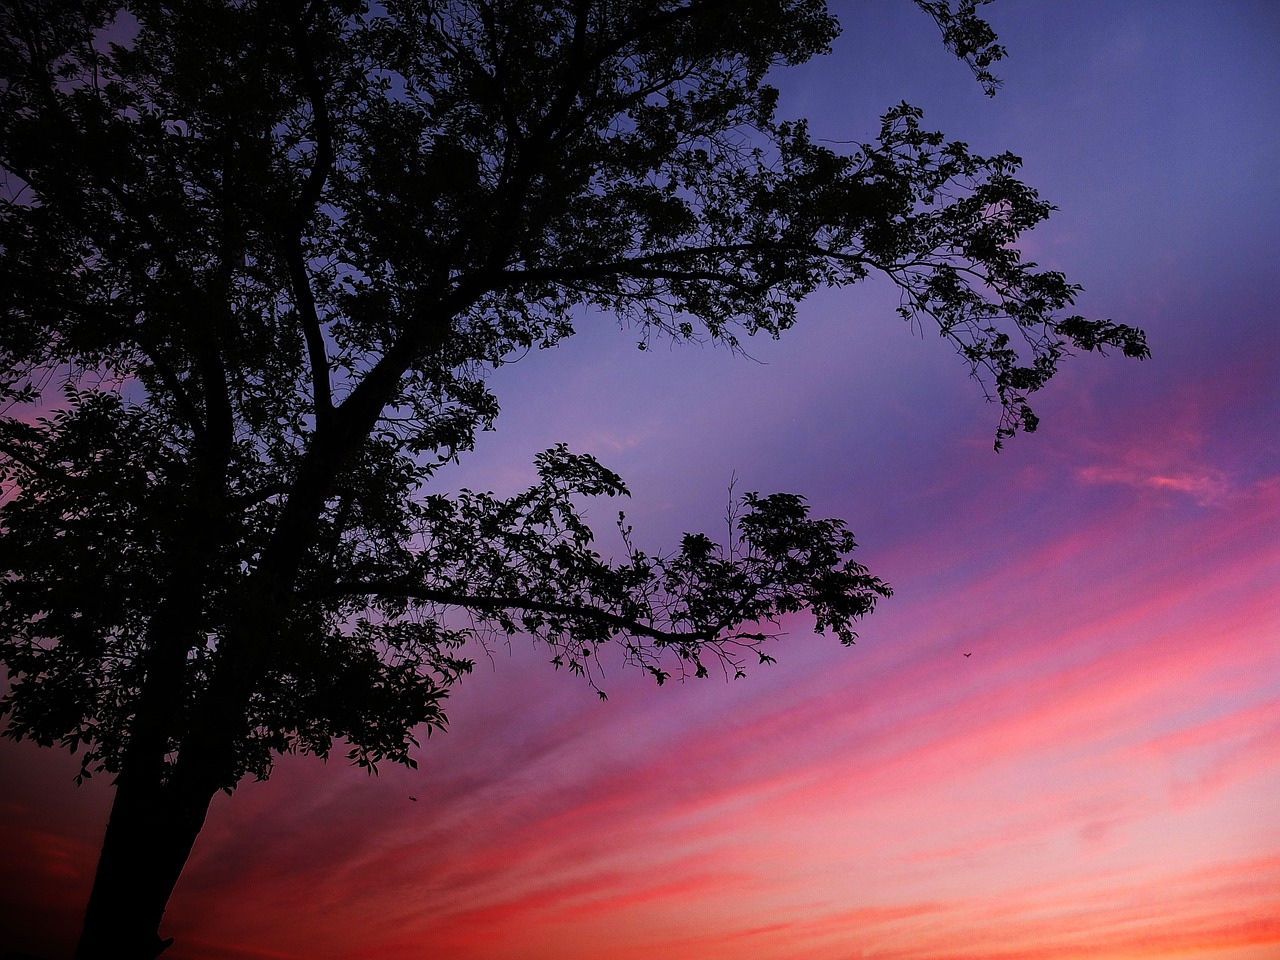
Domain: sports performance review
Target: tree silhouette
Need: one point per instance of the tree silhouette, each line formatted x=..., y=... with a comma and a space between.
x=268, y=251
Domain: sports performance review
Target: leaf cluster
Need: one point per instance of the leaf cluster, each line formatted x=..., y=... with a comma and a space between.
x=272, y=254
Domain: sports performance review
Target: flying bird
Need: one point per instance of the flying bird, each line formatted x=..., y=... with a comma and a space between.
x=968, y=654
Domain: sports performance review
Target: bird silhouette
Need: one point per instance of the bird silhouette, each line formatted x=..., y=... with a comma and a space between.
x=968, y=654
x=414, y=799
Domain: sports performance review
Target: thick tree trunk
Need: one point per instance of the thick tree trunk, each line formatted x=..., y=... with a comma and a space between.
x=149, y=836
x=154, y=824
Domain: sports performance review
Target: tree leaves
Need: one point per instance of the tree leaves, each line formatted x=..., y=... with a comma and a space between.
x=275, y=251
x=528, y=564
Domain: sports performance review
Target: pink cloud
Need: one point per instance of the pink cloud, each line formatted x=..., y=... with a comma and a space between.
x=1206, y=487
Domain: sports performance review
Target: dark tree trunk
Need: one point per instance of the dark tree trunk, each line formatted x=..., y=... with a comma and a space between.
x=149, y=836
x=159, y=809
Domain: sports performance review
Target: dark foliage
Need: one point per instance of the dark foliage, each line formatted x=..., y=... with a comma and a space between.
x=269, y=253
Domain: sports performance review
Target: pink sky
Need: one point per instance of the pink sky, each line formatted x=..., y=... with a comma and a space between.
x=1099, y=778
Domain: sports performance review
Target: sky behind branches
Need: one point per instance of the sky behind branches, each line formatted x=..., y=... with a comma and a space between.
x=1098, y=777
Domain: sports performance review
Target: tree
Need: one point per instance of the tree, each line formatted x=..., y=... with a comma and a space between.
x=268, y=251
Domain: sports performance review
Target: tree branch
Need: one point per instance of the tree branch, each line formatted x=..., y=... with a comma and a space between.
x=649, y=266
x=21, y=456
x=322, y=163
x=389, y=589
x=317, y=355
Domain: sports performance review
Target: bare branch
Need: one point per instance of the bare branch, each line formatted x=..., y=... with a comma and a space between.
x=322, y=163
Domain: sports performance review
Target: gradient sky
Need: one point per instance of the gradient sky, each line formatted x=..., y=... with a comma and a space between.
x=1100, y=778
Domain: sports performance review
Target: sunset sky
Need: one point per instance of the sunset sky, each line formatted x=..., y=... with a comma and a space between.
x=1059, y=739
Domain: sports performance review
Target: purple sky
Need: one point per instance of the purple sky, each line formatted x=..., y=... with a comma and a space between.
x=1098, y=779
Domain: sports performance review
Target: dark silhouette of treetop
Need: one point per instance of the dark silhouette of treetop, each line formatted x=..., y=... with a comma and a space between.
x=260, y=258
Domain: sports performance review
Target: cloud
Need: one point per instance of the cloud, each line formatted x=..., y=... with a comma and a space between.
x=1207, y=487
x=900, y=798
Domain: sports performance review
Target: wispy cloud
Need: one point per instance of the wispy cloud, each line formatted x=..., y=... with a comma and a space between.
x=1045, y=797
x=1207, y=486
